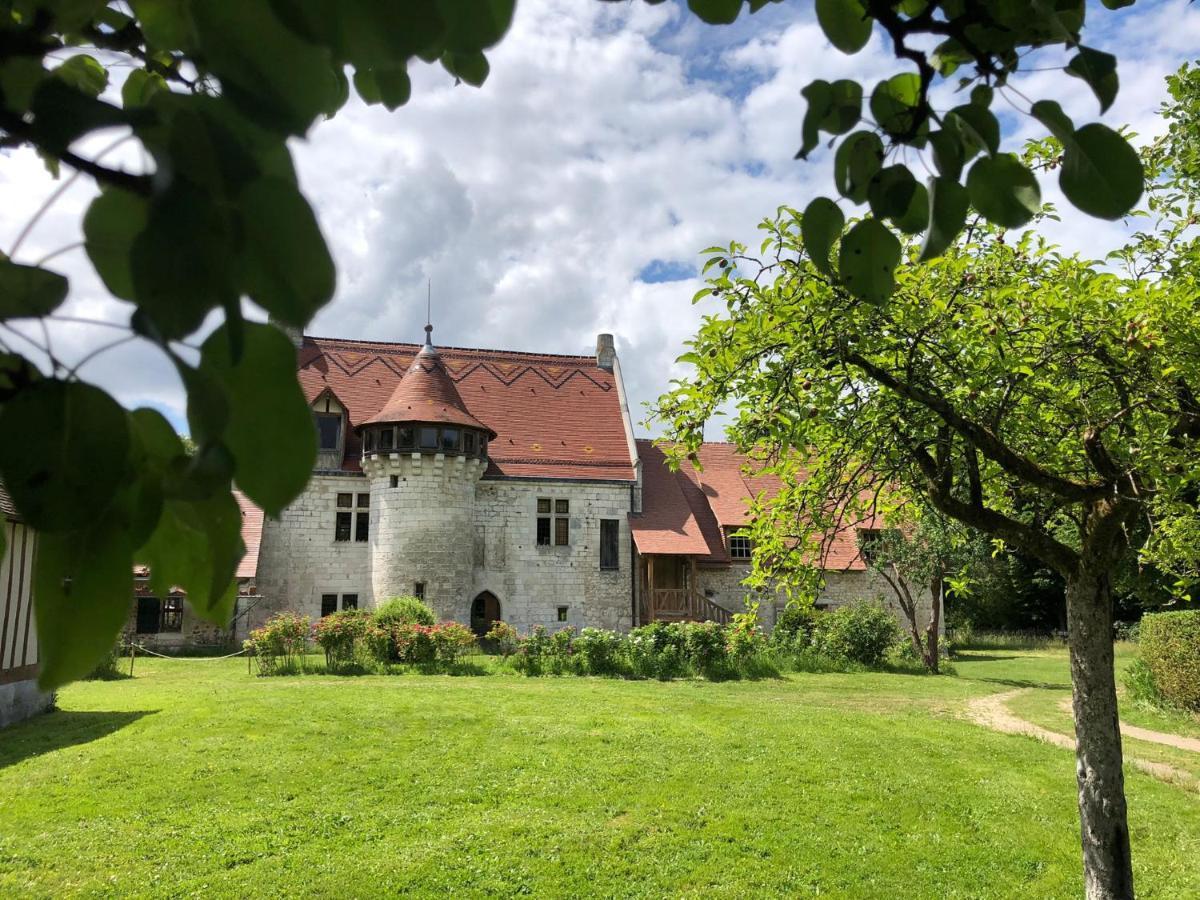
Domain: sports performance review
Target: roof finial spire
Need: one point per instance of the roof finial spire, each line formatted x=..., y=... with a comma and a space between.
x=429, y=313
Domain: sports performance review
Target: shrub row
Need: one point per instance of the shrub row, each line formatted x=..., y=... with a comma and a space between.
x=400, y=631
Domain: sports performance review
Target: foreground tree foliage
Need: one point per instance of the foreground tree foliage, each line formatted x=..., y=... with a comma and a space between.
x=212, y=90
x=1049, y=404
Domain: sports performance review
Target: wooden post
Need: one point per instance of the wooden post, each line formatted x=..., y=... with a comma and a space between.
x=694, y=598
x=132, y=654
x=649, y=588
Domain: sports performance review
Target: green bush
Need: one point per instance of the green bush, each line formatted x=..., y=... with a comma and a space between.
x=1139, y=682
x=707, y=649
x=858, y=632
x=503, y=638
x=532, y=652
x=404, y=611
x=1127, y=631
x=109, y=668
x=1170, y=645
x=795, y=625
x=599, y=651
x=658, y=650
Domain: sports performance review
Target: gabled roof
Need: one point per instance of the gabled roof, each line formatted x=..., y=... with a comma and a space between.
x=555, y=416
x=252, y=526
x=715, y=500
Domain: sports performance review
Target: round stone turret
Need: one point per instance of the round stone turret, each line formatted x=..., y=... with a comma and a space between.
x=423, y=453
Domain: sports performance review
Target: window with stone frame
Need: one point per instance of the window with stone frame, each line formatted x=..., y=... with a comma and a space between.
x=740, y=546
x=419, y=590
x=563, y=612
x=172, y=614
x=553, y=522
x=328, y=604
x=362, y=518
x=610, y=548
x=344, y=521
x=349, y=601
x=871, y=542
x=387, y=438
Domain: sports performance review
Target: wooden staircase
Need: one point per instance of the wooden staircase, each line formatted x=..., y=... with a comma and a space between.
x=680, y=605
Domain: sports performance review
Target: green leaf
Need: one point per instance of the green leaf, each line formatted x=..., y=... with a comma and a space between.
x=820, y=226
x=65, y=453
x=181, y=260
x=1101, y=174
x=265, y=69
x=894, y=194
x=1099, y=70
x=141, y=86
x=1057, y=122
x=818, y=95
x=981, y=95
x=197, y=546
x=976, y=127
x=845, y=106
x=716, y=12
x=894, y=106
x=948, y=203
x=471, y=67
x=947, y=153
x=29, y=291
x=845, y=23
x=1117, y=4
x=858, y=158
x=82, y=588
x=1003, y=190
x=478, y=24
x=111, y=224
x=83, y=73
x=270, y=433
x=167, y=24
x=62, y=115
x=867, y=261
x=19, y=78
x=395, y=87
x=286, y=267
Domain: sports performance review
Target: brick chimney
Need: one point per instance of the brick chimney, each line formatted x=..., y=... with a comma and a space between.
x=606, y=351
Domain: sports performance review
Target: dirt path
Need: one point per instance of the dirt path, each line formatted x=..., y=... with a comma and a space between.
x=992, y=712
x=1145, y=734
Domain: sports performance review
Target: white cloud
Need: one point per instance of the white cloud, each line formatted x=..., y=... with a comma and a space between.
x=607, y=137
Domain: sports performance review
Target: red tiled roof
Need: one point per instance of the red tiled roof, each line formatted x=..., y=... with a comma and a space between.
x=252, y=525
x=426, y=393
x=717, y=497
x=555, y=416
x=667, y=523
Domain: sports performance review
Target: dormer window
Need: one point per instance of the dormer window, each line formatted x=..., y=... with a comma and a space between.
x=329, y=430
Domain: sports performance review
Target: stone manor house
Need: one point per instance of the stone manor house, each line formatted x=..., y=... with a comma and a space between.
x=495, y=485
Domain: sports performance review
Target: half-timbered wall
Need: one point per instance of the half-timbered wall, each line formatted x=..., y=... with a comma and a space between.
x=19, y=696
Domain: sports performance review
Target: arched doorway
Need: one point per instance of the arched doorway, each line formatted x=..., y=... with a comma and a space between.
x=484, y=611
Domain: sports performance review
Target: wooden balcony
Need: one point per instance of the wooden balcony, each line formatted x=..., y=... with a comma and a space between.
x=680, y=605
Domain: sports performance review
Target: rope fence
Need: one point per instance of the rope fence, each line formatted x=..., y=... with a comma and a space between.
x=135, y=648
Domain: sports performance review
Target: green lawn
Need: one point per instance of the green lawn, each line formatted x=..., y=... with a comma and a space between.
x=195, y=779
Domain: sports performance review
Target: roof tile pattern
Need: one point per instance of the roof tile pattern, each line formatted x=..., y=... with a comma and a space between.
x=426, y=393
x=555, y=416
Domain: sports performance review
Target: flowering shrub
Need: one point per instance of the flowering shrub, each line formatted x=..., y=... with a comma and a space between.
x=503, y=637
x=451, y=640
x=279, y=645
x=342, y=635
x=794, y=627
x=425, y=645
x=532, y=652
x=707, y=648
x=859, y=632
x=658, y=650
x=413, y=644
x=599, y=651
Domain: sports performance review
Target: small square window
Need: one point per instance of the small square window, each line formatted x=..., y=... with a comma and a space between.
x=345, y=501
x=341, y=531
x=328, y=604
x=562, y=507
x=562, y=613
x=363, y=501
x=543, y=505
x=449, y=438
x=172, y=614
x=394, y=481
x=561, y=532
x=386, y=437
x=419, y=590
x=740, y=546
x=405, y=441
x=429, y=438
x=349, y=601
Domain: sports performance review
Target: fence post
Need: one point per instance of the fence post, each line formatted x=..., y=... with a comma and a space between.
x=132, y=654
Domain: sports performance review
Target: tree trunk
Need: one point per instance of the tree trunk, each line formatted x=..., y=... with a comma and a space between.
x=1104, y=828
x=931, y=630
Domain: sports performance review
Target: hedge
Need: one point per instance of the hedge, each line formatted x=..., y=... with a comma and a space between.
x=1170, y=645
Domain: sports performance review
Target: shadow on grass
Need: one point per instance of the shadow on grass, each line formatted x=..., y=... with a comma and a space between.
x=1023, y=683
x=58, y=729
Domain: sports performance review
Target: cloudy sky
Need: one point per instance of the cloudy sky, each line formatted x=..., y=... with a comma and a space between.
x=572, y=193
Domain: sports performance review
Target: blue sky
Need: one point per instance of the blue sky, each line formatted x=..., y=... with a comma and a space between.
x=573, y=192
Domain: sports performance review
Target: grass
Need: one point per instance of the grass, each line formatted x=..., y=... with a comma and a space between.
x=195, y=779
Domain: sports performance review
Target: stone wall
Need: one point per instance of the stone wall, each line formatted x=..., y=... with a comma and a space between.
x=299, y=560
x=22, y=699
x=532, y=581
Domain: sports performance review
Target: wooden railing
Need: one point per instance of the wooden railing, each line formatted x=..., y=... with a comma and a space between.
x=681, y=605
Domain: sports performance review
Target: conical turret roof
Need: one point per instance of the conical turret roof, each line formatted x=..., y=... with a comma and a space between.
x=426, y=394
